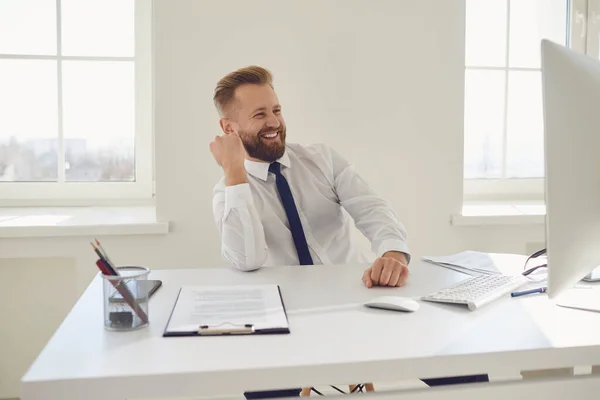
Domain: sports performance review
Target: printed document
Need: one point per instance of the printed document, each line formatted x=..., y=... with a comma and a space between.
x=468, y=262
x=223, y=307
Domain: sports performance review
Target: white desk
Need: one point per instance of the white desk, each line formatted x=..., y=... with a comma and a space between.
x=334, y=339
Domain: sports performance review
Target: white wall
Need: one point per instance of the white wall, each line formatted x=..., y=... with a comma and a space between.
x=24, y=293
x=380, y=80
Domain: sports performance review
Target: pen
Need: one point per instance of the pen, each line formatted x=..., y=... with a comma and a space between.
x=104, y=253
x=111, y=269
x=524, y=292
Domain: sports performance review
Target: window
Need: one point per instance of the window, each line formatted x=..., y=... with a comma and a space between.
x=75, y=100
x=503, y=148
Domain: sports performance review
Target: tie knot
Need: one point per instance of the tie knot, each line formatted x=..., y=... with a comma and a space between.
x=275, y=168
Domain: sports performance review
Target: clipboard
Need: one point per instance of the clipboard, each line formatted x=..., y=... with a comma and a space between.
x=237, y=311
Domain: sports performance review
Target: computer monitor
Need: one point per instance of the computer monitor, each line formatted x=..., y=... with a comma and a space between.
x=571, y=103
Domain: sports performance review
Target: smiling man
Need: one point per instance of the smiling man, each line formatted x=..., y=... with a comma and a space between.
x=284, y=204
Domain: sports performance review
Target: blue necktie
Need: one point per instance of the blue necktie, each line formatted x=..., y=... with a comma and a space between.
x=285, y=194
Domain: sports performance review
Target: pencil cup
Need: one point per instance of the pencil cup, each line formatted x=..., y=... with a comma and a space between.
x=125, y=298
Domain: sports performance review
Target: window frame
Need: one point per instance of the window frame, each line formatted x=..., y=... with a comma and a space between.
x=140, y=191
x=583, y=31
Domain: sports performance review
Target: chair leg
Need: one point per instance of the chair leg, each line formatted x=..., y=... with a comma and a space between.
x=369, y=387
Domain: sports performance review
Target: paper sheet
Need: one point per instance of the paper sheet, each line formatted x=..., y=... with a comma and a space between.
x=468, y=262
x=228, y=306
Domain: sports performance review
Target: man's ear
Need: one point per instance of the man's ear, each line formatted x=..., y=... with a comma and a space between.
x=225, y=125
x=228, y=126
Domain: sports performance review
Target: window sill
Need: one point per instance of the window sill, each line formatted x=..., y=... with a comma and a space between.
x=80, y=221
x=498, y=214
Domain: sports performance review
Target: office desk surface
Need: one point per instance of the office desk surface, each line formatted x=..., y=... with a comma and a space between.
x=333, y=339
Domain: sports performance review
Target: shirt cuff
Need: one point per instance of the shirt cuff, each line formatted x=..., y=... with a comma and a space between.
x=393, y=245
x=237, y=196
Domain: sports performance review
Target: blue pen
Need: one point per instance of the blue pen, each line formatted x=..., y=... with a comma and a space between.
x=524, y=292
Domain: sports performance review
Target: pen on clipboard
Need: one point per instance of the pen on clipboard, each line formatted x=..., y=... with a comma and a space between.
x=524, y=292
x=208, y=330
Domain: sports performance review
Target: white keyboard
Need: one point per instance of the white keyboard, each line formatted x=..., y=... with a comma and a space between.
x=478, y=291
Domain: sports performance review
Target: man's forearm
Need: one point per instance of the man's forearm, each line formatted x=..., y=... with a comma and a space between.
x=242, y=235
x=242, y=238
x=372, y=215
x=235, y=175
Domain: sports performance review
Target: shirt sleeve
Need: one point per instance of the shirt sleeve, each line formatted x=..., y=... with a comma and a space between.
x=243, y=242
x=372, y=215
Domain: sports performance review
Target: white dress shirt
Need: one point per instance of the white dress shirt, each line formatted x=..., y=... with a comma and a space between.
x=329, y=195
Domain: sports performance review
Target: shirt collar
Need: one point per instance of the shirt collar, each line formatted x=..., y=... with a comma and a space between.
x=260, y=169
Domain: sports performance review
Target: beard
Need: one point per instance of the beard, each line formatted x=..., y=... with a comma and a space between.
x=260, y=148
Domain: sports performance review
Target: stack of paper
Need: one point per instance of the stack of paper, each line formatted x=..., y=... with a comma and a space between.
x=467, y=262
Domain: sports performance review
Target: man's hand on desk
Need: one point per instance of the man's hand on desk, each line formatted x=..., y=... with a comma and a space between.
x=389, y=270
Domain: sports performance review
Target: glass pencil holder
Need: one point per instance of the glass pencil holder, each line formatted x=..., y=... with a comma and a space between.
x=125, y=298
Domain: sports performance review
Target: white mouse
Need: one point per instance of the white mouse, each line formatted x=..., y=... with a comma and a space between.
x=395, y=303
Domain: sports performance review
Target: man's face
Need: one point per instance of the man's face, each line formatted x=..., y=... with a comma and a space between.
x=256, y=114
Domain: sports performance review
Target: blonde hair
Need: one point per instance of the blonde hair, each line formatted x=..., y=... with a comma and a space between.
x=225, y=90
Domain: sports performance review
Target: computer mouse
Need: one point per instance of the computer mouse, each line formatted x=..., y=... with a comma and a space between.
x=395, y=303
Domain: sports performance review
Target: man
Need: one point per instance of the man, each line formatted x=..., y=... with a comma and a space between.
x=288, y=204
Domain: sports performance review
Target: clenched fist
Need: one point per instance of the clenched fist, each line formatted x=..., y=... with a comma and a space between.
x=388, y=270
x=228, y=151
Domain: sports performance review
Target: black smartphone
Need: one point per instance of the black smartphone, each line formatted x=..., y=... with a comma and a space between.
x=152, y=287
